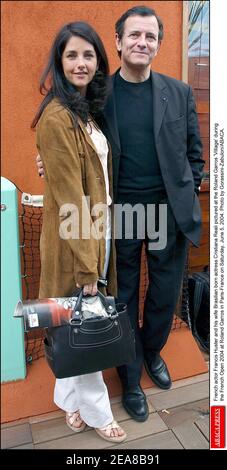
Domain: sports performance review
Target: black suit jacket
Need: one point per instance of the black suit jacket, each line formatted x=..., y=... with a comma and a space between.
x=178, y=145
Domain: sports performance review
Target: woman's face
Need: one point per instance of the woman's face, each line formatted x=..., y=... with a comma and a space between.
x=79, y=62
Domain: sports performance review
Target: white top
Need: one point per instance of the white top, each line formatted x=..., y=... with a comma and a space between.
x=100, y=143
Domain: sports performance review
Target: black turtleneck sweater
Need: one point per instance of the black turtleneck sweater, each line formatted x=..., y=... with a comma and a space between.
x=140, y=178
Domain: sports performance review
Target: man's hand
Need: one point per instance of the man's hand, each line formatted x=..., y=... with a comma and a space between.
x=89, y=289
x=39, y=164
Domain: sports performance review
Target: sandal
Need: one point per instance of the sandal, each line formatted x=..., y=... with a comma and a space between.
x=107, y=432
x=72, y=419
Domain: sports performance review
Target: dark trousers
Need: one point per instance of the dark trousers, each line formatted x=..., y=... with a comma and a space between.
x=165, y=270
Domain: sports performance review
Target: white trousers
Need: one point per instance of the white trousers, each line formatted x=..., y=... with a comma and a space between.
x=87, y=393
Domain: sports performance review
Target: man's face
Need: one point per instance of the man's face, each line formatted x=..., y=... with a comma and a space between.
x=139, y=43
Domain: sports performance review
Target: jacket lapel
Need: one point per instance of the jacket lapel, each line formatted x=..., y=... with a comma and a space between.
x=109, y=123
x=160, y=102
x=86, y=135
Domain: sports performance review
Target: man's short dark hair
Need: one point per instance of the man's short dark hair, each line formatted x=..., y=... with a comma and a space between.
x=141, y=11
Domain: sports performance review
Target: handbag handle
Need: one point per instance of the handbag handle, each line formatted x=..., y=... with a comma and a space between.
x=107, y=302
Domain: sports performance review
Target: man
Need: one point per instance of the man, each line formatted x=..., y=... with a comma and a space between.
x=151, y=123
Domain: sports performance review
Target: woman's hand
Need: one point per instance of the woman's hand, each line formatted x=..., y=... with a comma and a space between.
x=89, y=289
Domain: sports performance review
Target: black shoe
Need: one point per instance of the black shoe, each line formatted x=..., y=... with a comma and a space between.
x=157, y=371
x=135, y=403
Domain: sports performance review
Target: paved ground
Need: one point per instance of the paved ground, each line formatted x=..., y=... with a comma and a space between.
x=178, y=419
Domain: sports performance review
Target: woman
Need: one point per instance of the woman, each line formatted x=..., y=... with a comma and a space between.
x=76, y=161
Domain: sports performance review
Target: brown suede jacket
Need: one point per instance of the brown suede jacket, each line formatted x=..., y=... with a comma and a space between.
x=72, y=170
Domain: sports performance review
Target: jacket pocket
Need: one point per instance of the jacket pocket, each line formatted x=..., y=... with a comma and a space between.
x=178, y=122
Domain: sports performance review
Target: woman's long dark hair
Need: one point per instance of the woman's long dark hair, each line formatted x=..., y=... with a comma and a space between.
x=61, y=88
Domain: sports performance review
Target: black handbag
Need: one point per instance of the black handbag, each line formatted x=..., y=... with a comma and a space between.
x=79, y=341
